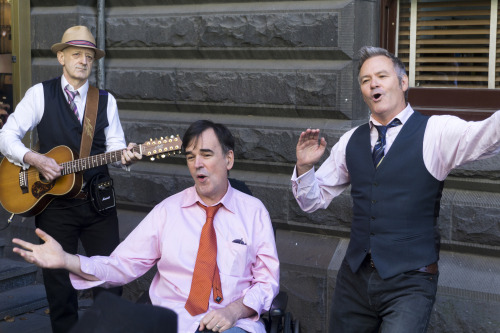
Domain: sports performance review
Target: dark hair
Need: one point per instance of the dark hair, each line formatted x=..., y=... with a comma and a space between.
x=223, y=134
x=367, y=52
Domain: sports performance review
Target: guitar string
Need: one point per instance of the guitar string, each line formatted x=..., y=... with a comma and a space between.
x=98, y=159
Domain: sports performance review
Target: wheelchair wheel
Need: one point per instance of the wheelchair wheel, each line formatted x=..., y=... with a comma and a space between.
x=287, y=328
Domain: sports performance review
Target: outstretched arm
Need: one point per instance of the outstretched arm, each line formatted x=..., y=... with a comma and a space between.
x=309, y=150
x=49, y=255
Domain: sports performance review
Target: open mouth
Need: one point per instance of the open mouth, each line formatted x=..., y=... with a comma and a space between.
x=201, y=177
x=376, y=97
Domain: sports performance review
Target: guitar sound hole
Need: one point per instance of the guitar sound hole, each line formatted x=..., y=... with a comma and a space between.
x=43, y=179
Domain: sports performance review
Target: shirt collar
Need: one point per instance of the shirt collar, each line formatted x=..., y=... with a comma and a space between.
x=82, y=90
x=402, y=116
x=192, y=197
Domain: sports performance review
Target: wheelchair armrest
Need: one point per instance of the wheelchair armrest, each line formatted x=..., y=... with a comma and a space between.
x=278, y=306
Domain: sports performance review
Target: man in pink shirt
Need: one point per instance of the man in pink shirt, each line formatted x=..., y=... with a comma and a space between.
x=169, y=237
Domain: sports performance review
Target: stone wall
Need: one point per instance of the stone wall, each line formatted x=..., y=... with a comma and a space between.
x=268, y=70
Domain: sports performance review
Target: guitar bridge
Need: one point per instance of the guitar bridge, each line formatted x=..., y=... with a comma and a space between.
x=23, y=181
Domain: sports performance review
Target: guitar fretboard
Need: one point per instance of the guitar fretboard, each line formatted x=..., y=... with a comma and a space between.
x=93, y=161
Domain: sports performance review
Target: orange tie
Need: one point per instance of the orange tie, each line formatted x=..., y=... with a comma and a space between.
x=206, y=273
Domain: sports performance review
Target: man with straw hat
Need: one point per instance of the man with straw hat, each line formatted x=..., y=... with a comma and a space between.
x=56, y=109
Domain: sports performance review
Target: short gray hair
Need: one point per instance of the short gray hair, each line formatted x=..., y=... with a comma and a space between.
x=367, y=52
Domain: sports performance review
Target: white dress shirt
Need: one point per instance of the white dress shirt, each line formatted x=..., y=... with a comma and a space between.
x=448, y=143
x=29, y=113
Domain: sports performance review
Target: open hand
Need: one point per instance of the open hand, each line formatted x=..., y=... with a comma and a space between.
x=309, y=150
x=47, y=255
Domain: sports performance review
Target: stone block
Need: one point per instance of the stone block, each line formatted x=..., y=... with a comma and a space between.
x=237, y=86
x=475, y=218
x=272, y=196
x=152, y=31
x=48, y=24
x=133, y=83
x=338, y=213
x=462, y=314
x=305, y=260
x=317, y=89
x=222, y=30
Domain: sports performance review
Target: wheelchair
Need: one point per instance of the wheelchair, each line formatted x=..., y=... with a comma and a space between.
x=277, y=320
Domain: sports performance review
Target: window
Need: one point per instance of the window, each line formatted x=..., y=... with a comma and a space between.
x=450, y=51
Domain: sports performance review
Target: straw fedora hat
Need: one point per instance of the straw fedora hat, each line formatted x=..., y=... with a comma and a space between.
x=79, y=36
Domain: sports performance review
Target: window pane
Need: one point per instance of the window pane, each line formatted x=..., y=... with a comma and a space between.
x=452, y=42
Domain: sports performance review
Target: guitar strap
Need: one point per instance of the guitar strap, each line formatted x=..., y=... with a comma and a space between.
x=100, y=186
x=89, y=121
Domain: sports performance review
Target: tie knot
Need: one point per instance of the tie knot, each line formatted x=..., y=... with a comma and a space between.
x=71, y=94
x=210, y=210
x=382, y=130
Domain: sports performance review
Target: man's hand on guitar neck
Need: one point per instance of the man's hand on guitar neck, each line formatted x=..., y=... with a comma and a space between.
x=47, y=166
x=129, y=156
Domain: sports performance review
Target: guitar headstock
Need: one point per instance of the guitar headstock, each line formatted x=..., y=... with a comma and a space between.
x=163, y=147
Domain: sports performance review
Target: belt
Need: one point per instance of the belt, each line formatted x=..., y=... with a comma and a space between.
x=431, y=269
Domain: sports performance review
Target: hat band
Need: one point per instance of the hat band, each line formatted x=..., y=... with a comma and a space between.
x=81, y=42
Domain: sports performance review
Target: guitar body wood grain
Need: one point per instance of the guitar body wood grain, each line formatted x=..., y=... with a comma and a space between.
x=40, y=192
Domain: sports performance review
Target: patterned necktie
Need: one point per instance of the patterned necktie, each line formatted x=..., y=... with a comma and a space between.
x=206, y=273
x=378, y=150
x=71, y=100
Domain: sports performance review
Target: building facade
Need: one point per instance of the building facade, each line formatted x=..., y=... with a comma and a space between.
x=269, y=70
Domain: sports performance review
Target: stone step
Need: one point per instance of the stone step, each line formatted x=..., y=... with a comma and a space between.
x=21, y=300
x=15, y=274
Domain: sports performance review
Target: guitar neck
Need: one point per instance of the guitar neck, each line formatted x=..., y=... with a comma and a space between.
x=162, y=146
x=93, y=161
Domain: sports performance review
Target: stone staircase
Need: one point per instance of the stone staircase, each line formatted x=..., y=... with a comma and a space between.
x=19, y=292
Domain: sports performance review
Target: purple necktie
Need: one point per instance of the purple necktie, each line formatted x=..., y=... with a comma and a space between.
x=71, y=100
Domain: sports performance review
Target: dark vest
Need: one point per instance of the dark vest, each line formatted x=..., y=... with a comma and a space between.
x=395, y=207
x=59, y=125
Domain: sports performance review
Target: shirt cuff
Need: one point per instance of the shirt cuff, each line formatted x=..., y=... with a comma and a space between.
x=253, y=302
x=305, y=180
x=87, y=267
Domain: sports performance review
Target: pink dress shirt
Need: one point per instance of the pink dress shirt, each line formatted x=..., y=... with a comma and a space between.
x=448, y=143
x=169, y=237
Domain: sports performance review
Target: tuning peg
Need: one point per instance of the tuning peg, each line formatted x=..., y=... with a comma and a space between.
x=152, y=158
x=162, y=155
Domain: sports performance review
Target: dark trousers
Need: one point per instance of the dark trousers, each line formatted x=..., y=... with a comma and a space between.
x=365, y=303
x=68, y=220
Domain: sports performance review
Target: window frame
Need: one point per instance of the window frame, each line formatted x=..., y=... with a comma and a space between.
x=468, y=104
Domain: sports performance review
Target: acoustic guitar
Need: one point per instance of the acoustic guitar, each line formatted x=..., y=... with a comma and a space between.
x=27, y=192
